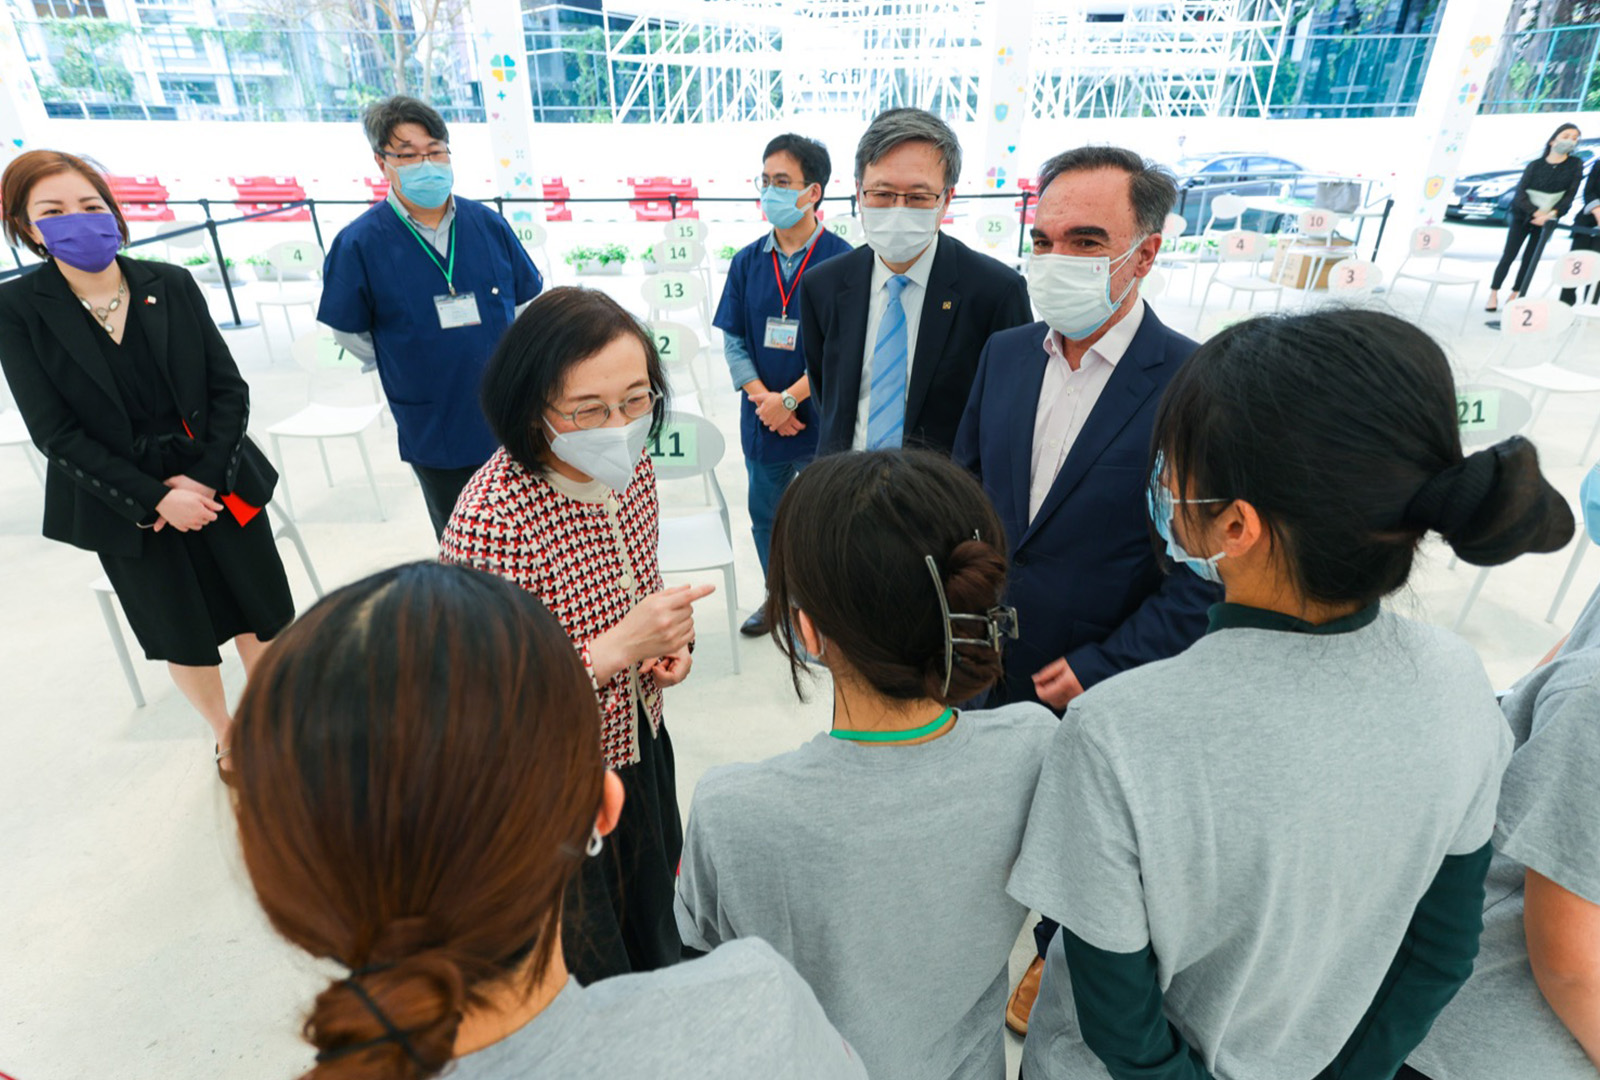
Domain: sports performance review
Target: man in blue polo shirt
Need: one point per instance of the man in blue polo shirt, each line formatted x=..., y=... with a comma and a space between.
x=759, y=317
x=424, y=285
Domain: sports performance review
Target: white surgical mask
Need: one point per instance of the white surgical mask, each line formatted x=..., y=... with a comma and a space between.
x=1073, y=292
x=609, y=454
x=1564, y=146
x=898, y=234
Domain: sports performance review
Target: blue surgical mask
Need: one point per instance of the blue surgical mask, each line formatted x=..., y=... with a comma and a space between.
x=1160, y=503
x=426, y=184
x=1589, y=496
x=779, y=206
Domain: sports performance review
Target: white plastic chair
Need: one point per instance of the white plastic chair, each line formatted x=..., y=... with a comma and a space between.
x=1432, y=242
x=534, y=238
x=13, y=432
x=677, y=344
x=687, y=448
x=290, y=261
x=189, y=243
x=1578, y=270
x=1171, y=259
x=676, y=290
x=1352, y=281
x=1523, y=326
x=1241, y=246
x=686, y=255
x=1315, y=230
x=104, y=593
x=315, y=352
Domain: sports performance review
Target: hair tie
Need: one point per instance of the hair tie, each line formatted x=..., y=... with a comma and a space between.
x=391, y=1034
x=1448, y=500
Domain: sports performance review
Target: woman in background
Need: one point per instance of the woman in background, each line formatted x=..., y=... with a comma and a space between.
x=1543, y=195
x=129, y=391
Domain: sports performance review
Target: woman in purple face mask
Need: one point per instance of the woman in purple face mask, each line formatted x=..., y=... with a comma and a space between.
x=128, y=389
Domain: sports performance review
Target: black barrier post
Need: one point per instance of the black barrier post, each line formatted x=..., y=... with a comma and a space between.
x=1525, y=277
x=500, y=205
x=672, y=201
x=1022, y=221
x=1383, y=223
x=316, y=224
x=222, y=268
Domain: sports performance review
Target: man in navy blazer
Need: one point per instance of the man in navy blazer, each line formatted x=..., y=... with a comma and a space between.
x=1058, y=429
x=892, y=331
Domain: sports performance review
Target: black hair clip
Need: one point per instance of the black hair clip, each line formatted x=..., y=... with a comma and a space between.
x=999, y=622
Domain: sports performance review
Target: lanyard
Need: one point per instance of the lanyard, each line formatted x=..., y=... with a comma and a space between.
x=448, y=272
x=894, y=736
x=787, y=296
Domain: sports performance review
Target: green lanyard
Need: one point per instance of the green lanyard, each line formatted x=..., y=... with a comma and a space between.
x=895, y=736
x=448, y=272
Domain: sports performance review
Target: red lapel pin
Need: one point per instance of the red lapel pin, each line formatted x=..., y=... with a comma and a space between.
x=149, y=299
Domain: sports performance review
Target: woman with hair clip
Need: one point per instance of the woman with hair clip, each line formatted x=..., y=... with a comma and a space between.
x=1543, y=195
x=875, y=856
x=1267, y=853
x=418, y=782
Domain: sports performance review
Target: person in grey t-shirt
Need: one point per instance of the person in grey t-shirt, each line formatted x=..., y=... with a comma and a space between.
x=1267, y=853
x=1532, y=1006
x=875, y=856
x=419, y=779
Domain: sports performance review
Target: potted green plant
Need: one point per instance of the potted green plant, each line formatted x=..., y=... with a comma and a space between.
x=647, y=258
x=205, y=269
x=596, y=260
x=724, y=259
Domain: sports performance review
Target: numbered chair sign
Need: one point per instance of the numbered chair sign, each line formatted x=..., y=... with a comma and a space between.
x=842, y=227
x=1240, y=243
x=1478, y=410
x=993, y=229
x=676, y=445
x=1529, y=317
x=330, y=354
x=668, y=345
x=674, y=290
x=1575, y=267
x=685, y=229
x=1351, y=274
x=1427, y=242
x=679, y=253
x=1316, y=221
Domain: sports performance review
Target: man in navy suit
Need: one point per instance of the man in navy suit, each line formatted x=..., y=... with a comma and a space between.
x=1058, y=429
x=892, y=331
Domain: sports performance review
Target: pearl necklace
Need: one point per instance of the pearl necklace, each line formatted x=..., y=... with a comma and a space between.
x=103, y=315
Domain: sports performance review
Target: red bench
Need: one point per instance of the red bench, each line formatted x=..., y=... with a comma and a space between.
x=262, y=193
x=142, y=198
x=558, y=193
x=652, y=198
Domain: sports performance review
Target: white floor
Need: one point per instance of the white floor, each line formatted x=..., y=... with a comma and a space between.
x=130, y=945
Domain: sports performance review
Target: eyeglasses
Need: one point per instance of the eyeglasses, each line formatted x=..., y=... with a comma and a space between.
x=408, y=157
x=1159, y=498
x=918, y=200
x=596, y=413
x=762, y=184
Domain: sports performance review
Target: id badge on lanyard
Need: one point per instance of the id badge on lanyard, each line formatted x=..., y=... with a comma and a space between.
x=456, y=310
x=784, y=332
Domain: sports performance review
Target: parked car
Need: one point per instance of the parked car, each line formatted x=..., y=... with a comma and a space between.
x=1486, y=197
x=1201, y=179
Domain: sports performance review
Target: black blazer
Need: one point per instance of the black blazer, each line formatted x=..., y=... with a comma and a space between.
x=95, y=496
x=969, y=297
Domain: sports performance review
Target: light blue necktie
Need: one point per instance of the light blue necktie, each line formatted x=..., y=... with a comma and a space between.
x=886, y=403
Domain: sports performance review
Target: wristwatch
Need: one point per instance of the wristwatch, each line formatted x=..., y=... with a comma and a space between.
x=790, y=402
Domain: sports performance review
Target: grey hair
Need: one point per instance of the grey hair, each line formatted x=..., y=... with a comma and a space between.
x=889, y=129
x=1150, y=187
x=382, y=117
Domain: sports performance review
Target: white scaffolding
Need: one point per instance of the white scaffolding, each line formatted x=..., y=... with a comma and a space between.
x=718, y=61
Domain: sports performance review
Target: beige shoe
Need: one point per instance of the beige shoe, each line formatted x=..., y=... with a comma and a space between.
x=1020, y=1008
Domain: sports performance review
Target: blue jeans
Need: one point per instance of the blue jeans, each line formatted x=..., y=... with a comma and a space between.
x=768, y=482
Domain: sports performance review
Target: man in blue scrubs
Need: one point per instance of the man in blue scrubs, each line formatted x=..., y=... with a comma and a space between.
x=759, y=317
x=424, y=285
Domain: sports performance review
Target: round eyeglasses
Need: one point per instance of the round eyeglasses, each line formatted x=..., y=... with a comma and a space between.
x=596, y=413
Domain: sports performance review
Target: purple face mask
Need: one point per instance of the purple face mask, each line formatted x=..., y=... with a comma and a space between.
x=86, y=241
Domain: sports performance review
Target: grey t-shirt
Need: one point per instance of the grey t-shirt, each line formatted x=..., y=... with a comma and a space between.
x=880, y=872
x=737, y=1014
x=1264, y=810
x=1500, y=1025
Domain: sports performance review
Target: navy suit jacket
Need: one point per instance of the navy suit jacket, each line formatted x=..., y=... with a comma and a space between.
x=969, y=297
x=1085, y=579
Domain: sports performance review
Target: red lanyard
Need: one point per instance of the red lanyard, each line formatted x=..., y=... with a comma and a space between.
x=787, y=296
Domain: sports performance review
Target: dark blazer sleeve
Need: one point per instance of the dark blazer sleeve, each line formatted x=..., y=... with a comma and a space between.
x=811, y=344
x=1591, y=194
x=1572, y=188
x=228, y=406
x=1520, y=201
x=967, y=451
x=1170, y=620
x=60, y=436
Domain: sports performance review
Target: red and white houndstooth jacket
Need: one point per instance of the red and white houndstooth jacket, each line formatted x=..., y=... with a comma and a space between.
x=588, y=554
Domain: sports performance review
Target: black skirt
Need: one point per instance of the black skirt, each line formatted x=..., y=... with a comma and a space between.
x=193, y=591
x=618, y=915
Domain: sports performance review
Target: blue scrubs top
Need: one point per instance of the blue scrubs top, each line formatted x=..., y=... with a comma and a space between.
x=749, y=297
x=379, y=279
